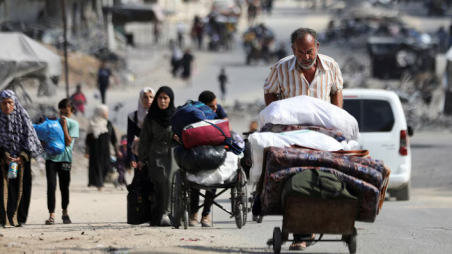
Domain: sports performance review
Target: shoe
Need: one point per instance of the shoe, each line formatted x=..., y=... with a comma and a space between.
x=165, y=221
x=193, y=221
x=21, y=225
x=50, y=221
x=205, y=221
x=66, y=220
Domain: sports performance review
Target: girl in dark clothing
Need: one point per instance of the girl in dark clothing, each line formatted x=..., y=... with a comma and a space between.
x=155, y=150
x=18, y=143
x=100, y=134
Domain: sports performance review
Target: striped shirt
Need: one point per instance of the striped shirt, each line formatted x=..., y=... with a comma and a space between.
x=287, y=80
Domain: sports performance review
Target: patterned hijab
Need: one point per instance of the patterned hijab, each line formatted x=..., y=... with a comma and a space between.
x=16, y=130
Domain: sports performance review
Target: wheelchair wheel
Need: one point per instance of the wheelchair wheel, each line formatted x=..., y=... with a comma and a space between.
x=245, y=204
x=239, y=216
x=186, y=219
x=177, y=206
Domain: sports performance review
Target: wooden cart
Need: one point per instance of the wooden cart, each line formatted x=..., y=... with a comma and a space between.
x=321, y=216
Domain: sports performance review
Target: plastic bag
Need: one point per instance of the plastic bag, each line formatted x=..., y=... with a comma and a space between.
x=200, y=158
x=51, y=133
x=305, y=110
x=224, y=174
x=305, y=138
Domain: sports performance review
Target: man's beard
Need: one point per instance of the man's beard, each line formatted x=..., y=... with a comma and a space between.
x=304, y=67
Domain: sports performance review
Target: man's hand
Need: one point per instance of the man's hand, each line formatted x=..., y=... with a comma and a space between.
x=133, y=164
x=140, y=165
x=177, y=139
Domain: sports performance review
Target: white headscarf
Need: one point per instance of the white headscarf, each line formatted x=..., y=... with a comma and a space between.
x=142, y=111
x=98, y=123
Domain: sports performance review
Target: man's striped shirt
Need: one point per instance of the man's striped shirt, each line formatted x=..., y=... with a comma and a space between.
x=287, y=80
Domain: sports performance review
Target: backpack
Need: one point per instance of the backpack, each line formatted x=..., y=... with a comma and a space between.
x=191, y=112
x=313, y=183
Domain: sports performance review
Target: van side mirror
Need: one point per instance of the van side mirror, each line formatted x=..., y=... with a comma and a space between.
x=410, y=131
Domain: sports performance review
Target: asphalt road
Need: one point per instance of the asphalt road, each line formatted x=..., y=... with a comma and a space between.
x=421, y=225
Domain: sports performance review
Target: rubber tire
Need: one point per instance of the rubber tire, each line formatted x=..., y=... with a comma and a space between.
x=403, y=194
x=277, y=240
x=352, y=242
x=260, y=219
x=186, y=220
x=239, y=216
x=178, y=199
x=245, y=210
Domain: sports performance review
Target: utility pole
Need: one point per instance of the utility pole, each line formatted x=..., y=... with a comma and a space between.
x=66, y=68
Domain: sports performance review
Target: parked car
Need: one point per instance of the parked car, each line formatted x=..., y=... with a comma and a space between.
x=384, y=132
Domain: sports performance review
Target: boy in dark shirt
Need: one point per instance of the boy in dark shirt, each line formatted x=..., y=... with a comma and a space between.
x=210, y=99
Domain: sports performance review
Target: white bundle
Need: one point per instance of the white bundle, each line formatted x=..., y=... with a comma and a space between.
x=306, y=138
x=224, y=174
x=305, y=110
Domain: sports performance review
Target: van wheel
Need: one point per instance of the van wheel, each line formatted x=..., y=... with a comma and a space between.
x=404, y=193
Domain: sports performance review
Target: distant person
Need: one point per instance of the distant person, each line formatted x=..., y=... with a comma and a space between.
x=180, y=34
x=157, y=32
x=252, y=13
x=443, y=39
x=281, y=52
x=103, y=80
x=187, y=63
x=176, y=57
x=61, y=165
x=79, y=100
x=210, y=99
x=223, y=79
x=19, y=143
x=100, y=135
x=121, y=164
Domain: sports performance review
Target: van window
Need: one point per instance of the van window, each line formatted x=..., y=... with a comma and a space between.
x=372, y=115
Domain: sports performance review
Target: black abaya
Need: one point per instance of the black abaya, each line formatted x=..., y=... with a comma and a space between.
x=15, y=193
x=99, y=156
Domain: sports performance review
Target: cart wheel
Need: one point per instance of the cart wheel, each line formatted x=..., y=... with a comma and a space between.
x=239, y=216
x=352, y=242
x=185, y=219
x=277, y=240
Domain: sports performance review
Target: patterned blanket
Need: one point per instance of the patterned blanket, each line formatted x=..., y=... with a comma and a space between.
x=366, y=178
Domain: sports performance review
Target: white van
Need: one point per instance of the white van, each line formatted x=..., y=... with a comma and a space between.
x=384, y=133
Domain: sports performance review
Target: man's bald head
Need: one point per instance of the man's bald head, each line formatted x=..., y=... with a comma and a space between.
x=303, y=33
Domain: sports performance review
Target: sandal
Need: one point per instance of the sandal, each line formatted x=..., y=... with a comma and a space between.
x=66, y=220
x=303, y=245
x=50, y=221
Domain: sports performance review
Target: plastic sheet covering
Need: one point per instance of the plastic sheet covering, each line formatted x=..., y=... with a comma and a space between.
x=21, y=56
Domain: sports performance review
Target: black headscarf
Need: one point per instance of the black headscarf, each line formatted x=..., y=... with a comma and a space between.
x=162, y=116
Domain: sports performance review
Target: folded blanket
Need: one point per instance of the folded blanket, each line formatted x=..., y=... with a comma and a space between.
x=368, y=195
